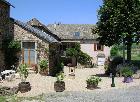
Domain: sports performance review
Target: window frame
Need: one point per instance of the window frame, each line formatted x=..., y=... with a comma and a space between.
x=77, y=34
x=96, y=47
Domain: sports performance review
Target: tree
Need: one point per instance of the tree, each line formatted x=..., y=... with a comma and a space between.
x=114, y=51
x=118, y=21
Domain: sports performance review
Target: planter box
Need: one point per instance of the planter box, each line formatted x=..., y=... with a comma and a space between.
x=24, y=87
x=44, y=72
x=59, y=86
x=128, y=79
x=91, y=86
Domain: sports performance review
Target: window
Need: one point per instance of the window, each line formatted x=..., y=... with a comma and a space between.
x=98, y=47
x=77, y=34
x=28, y=53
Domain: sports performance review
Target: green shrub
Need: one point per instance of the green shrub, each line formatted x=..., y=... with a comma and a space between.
x=84, y=58
x=23, y=72
x=71, y=52
x=127, y=72
x=126, y=66
x=14, y=44
x=112, y=66
x=93, y=80
x=11, y=48
x=60, y=76
x=43, y=64
x=59, y=66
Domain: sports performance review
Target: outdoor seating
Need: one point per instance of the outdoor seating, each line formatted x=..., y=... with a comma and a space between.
x=8, y=75
x=0, y=78
x=17, y=75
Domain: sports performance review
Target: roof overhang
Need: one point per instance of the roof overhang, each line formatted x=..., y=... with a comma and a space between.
x=7, y=3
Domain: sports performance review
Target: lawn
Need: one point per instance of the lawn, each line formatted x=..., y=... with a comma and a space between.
x=135, y=54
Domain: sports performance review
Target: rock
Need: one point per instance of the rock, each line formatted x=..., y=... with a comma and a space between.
x=137, y=75
x=15, y=90
x=8, y=91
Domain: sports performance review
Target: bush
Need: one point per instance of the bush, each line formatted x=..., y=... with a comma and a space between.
x=11, y=48
x=120, y=67
x=60, y=77
x=112, y=66
x=71, y=52
x=43, y=64
x=59, y=66
x=23, y=72
x=84, y=58
x=127, y=72
x=93, y=80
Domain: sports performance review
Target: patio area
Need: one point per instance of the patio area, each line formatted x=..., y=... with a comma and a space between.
x=45, y=84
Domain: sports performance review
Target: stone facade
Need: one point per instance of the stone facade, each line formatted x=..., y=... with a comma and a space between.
x=4, y=26
x=81, y=33
x=23, y=35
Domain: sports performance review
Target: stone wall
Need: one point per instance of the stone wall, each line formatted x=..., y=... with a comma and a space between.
x=23, y=35
x=4, y=27
x=54, y=58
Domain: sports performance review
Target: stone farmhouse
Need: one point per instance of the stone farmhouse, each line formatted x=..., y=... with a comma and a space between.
x=37, y=39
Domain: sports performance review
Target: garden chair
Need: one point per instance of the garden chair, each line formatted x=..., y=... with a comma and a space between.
x=0, y=78
x=10, y=77
x=17, y=75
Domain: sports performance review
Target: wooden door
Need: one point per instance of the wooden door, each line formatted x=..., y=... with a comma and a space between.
x=28, y=52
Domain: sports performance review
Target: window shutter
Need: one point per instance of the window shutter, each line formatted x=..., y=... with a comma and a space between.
x=22, y=56
x=102, y=47
x=95, y=47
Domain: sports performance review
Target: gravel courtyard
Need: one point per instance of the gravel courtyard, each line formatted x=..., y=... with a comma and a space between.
x=45, y=84
x=115, y=95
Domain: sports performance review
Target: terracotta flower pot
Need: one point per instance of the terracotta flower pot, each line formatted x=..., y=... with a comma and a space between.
x=59, y=86
x=128, y=79
x=24, y=87
x=91, y=86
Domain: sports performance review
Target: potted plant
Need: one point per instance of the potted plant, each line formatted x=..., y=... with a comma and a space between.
x=43, y=67
x=35, y=68
x=92, y=82
x=59, y=85
x=23, y=85
x=127, y=73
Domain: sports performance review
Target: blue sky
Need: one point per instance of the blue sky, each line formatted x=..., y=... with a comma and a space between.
x=51, y=11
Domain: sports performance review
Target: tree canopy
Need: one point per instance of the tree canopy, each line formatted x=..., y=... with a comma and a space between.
x=119, y=20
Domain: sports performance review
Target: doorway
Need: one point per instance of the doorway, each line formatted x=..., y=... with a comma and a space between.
x=28, y=53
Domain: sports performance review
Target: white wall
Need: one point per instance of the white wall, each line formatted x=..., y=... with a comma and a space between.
x=88, y=47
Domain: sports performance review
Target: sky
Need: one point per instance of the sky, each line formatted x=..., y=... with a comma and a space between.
x=54, y=11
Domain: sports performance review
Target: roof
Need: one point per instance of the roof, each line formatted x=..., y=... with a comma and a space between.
x=37, y=24
x=7, y=3
x=40, y=34
x=73, y=31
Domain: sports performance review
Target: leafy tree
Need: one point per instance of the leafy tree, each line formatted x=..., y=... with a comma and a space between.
x=119, y=20
x=114, y=51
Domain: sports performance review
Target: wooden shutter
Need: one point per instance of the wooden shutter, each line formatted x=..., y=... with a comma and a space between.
x=22, y=56
x=102, y=47
x=95, y=47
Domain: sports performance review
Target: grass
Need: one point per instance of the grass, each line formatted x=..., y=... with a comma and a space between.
x=2, y=99
x=15, y=98
x=135, y=57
